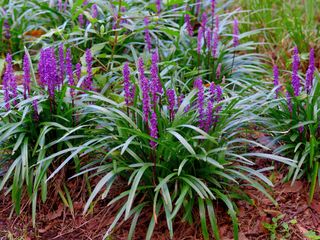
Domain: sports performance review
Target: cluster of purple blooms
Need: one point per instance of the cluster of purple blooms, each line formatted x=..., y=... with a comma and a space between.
x=152, y=91
x=51, y=75
x=205, y=118
x=295, y=81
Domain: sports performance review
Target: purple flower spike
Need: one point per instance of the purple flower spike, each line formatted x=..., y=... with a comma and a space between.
x=213, y=91
x=26, y=76
x=219, y=93
x=235, y=33
x=41, y=67
x=289, y=102
x=61, y=65
x=217, y=23
x=218, y=72
x=7, y=33
x=171, y=100
x=94, y=10
x=65, y=5
x=209, y=116
x=60, y=5
x=81, y=20
x=276, y=79
x=156, y=86
x=153, y=129
x=301, y=129
x=78, y=71
x=204, y=20
x=35, y=109
x=188, y=24
x=198, y=84
x=158, y=5
x=310, y=72
x=147, y=34
x=69, y=71
x=51, y=72
x=213, y=7
x=295, y=68
x=88, y=79
x=8, y=79
x=126, y=84
x=144, y=84
x=208, y=39
x=215, y=44
x=200, y=35
x=198, y=6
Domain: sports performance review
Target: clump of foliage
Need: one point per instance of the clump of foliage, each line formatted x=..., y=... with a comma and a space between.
x=177, y=153
x=293, y=118
x=38, y=119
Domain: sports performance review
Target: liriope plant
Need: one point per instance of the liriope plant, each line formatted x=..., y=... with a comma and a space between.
x=38, y=118
x=178, y=154
x=293, y=119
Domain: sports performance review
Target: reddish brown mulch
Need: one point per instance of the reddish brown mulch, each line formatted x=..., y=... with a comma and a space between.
x=54, y=220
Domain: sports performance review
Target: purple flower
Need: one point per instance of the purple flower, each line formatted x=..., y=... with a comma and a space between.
x=26, y=76
x=213, y=7
x=209, y=116
x=158, y=5
x=204, y=20
x=295, y=82
x=276, y=79
x=81, y=20
x=171, y=100
x=7, y=33
x=301, y=129
x=200, y=35
x=215, y=44
x=310, y=72
x=235, y=33
x=94, y=10
x=51, y=75
x=144, y=84
x=156, y=86
x=78, y=71
x=217, y=23
x=65, y=5
x=88, y=80
x=289, y=102
x=61, y=65
x=219, y=93
x=35, y=109
x=126, y=84
x=212, y=91
x=198, y=6
x=153, y=129
x=209, y=38
x=147, y=34
x=188, y=24
x=42, y=67
x=218, y=72
x=60, y=5
x=8, y=79
x=198, y=84
x=69, y=71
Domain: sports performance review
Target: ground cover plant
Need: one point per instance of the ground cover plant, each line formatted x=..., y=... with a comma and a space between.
x=171, y=100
